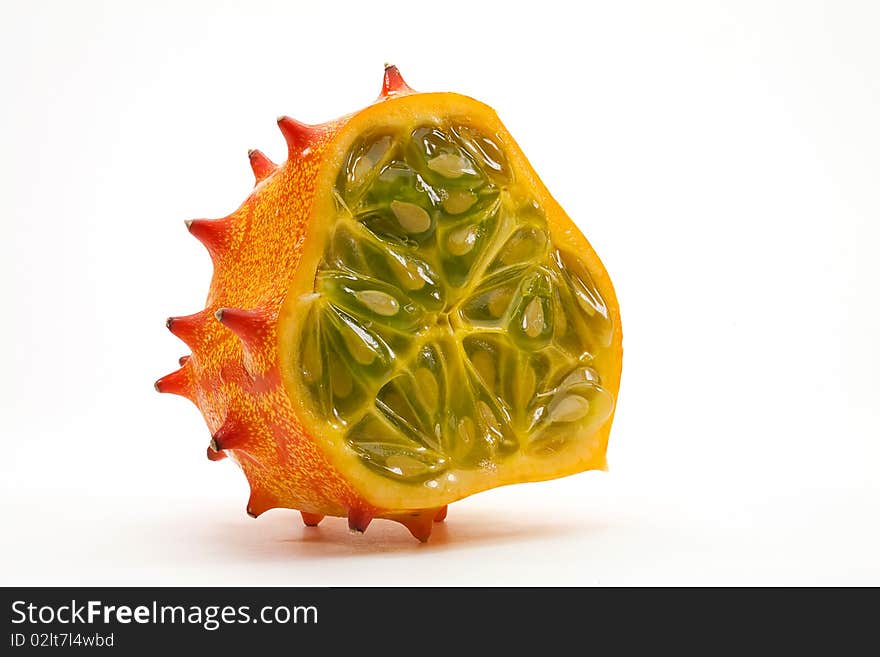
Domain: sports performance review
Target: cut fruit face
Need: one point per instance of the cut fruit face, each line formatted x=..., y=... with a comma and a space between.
x=448, y=342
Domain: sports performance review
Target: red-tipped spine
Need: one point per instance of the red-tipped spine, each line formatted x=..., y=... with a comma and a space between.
x=297, y=135
x=359, y=519
x=214, y=454
x=260, y=502
x=311, y=519
x=261, y=165
x=189, y=328
x=232, y=434
x=393, y=83
x=253, y=327
x=419, y=524
x=212, y=233
x=182, y=360
x=178, y=382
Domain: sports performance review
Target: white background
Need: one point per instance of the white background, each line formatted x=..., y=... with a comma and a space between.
x=723, y=158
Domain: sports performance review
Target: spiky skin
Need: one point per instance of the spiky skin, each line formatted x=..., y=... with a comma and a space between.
x=234, y=375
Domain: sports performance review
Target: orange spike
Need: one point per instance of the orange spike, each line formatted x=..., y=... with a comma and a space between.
x=262, y=166
x=393, y=83
x=214, y=454
x=296, y=134
x=440, y=516
x=176, y=383
x=419, y=524
x=188, y=328
x=213, y=233
x=311, y=519
x=260, y=502
x=232, y=434
x=359, y=520
x=182, y=360
x=254, y=329
x=251, y=326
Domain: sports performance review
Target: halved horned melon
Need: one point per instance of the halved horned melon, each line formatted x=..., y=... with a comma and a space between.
x=400, y=316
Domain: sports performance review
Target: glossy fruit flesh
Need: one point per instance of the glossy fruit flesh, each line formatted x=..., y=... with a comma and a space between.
x=447, y=343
